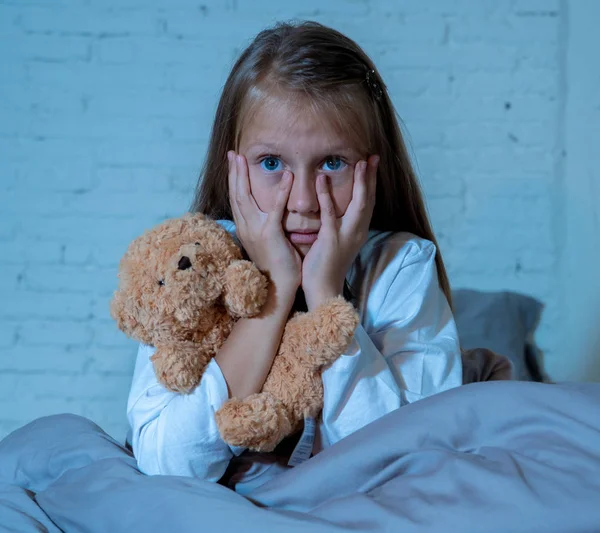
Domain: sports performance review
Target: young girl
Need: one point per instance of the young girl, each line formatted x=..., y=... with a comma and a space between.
x=307, y=167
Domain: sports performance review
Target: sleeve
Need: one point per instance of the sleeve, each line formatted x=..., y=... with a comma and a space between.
x=405, y=349
x=176, y=434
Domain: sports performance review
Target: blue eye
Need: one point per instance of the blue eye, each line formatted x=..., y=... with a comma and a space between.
x=333, y=163
x=271, y=164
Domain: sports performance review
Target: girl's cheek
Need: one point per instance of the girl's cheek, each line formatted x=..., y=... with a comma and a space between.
x=264, y=189
x=341, y=191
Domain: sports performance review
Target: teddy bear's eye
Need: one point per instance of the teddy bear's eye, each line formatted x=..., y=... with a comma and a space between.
x=197, y=243
x=161, y=282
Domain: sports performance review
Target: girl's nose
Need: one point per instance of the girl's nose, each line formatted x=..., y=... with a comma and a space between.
x=303, y=196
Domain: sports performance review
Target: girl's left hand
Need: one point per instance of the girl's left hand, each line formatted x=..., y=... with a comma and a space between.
x=339, y=240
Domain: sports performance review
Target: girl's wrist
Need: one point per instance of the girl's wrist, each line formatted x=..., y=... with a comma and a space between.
x=280, y=298
x=320, y=295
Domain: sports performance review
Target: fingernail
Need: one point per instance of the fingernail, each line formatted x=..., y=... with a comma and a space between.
x=239, y=158
x=229, y=155
x=376, y=160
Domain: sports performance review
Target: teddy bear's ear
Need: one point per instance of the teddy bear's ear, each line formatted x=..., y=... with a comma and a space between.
x=122, y=313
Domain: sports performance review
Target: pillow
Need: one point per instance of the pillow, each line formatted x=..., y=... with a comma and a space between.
x=481, y=364
x=503, y=322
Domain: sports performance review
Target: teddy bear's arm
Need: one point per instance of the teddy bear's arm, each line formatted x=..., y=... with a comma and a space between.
x=245, y=289
x=179, y=366
x=325, y=333
x=293, y=388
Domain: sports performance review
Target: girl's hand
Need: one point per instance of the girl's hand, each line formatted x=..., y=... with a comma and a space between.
x=260, y=233
x=340, y=239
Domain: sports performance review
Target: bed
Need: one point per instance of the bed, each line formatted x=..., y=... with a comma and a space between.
x=496, y=455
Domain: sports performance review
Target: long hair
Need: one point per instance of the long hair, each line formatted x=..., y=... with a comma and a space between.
x=332, y=73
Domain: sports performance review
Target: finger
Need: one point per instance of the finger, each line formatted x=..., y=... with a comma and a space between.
x=372, y=168
x=328, y=218
x=232, y=179
x=281, y=200
x=359, y=192
x=246, y=202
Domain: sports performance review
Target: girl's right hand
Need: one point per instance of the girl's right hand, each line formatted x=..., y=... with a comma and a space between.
x=260, y=233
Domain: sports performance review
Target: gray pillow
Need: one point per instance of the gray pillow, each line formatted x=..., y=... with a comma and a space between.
x=503, y=322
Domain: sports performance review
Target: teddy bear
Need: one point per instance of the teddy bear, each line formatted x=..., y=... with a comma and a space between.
x=182, y=286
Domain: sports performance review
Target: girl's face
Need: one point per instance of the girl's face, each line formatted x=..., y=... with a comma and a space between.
x=284, y=136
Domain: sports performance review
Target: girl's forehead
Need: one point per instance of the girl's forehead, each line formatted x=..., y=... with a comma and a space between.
x=284, y=120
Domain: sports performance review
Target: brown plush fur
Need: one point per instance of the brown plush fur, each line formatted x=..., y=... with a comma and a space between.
x=183, y=284
x=294, y=388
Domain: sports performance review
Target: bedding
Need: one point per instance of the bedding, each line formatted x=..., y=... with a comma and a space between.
x=487, y=457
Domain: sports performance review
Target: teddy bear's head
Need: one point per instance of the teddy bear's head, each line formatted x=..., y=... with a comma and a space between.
x=171, y=276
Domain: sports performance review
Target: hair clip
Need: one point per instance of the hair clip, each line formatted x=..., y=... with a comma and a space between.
x=373, y=84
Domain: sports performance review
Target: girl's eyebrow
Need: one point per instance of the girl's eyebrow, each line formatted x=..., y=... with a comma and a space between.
x=263, y=146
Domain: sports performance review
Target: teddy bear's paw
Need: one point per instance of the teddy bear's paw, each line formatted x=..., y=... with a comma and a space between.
x=245, y=289
x=339, y=315
x=259, y=423
x=175, y=375
x=179, y=383
x=335, y=323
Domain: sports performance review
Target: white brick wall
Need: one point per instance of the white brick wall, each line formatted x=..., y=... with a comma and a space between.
x=105, y=109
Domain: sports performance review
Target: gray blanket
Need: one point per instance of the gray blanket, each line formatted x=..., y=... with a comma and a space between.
x=487, y=457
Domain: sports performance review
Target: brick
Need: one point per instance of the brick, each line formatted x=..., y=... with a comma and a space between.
x=516, y=133
x=131, y=179
x=161, y=51
x=398, y=28
x=85, y=228
x=10, y=20
x=440, y=187
x=108, y=360
x=94, y=78
x=36, y=333
x=124, y=204
x=69, y=278
x=54, y=177
x=49, y=360
x=507, y=236
x=12, y=275
x=8, y=336
x=417, y=82
x=92, y=387
x=90, y=20
x=156, y=153
x=12, y=202
x=23, y=252
x=45, y=149
x=148, y=103
x=52, y=48
x=515, y=209
x=29, y=408
x=23, y=305
x=48, y=105
x=103, y=254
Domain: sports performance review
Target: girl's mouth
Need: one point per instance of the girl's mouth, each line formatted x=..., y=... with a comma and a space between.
x=302, y=238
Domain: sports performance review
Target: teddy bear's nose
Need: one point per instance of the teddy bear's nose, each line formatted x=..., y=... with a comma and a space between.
x=184, y=263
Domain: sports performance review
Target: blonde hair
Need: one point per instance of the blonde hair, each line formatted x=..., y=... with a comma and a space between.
x=330, y=72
